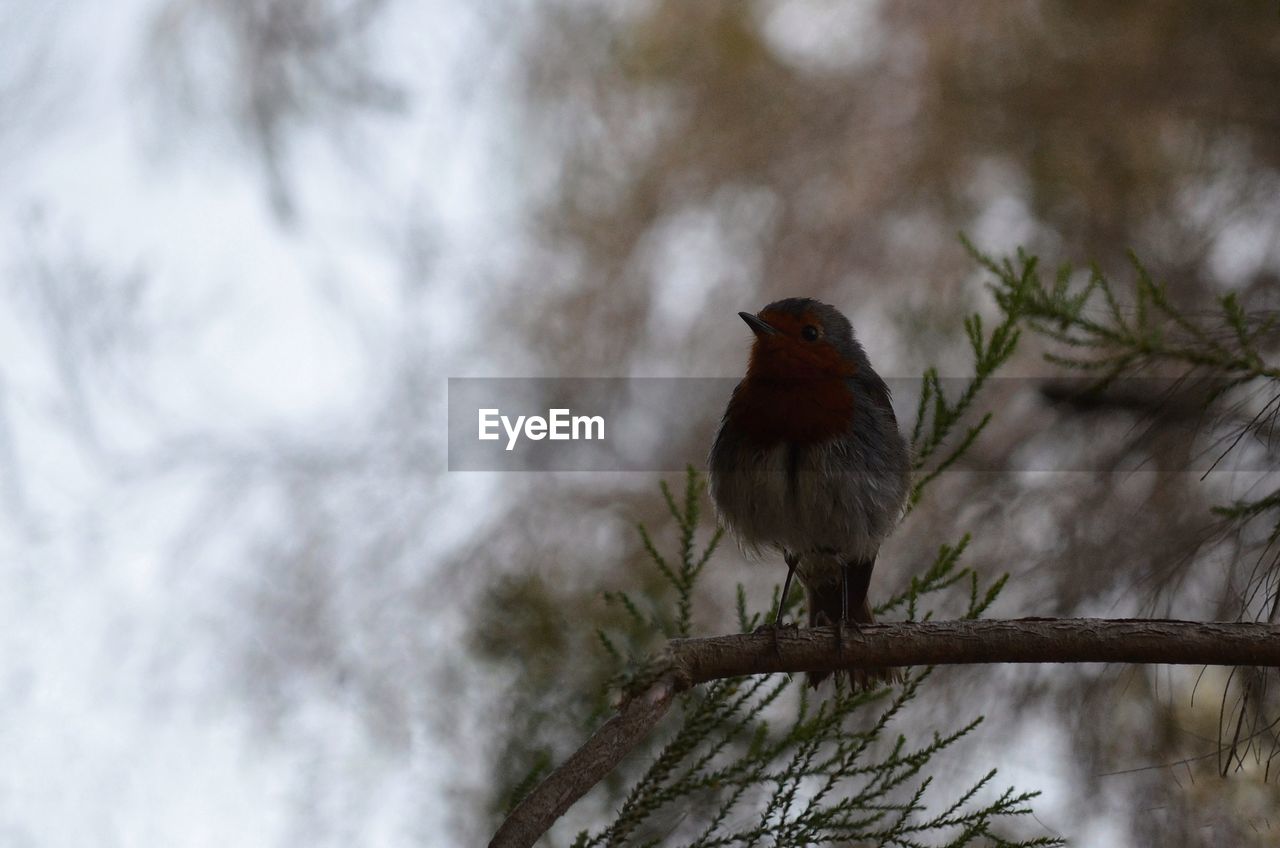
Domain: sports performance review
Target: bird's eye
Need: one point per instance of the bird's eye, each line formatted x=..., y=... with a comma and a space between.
x=810, y=333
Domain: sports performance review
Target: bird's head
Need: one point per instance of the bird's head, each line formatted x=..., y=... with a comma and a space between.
x=800, y=337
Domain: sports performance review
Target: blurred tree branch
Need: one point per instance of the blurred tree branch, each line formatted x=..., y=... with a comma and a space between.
x=281, y=66
x=689, y=662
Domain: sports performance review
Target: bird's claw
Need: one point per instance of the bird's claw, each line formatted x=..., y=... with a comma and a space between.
x=773, y=628
x=776, y=626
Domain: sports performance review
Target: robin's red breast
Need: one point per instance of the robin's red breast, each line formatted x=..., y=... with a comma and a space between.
x=809, y=461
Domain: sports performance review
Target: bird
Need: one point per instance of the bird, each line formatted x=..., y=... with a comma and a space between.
x=809, y=462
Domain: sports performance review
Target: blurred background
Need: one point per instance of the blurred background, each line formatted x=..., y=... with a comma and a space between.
x=245, y=243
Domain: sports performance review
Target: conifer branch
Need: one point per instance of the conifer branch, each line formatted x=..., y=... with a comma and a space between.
x=690, y=662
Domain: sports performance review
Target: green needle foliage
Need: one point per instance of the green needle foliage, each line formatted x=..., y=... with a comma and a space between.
x=762, y=761
x=1100, y=335
x=1107, y=332
x=937, y=418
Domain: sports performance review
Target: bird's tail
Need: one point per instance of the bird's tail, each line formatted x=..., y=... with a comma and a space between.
x=825, y=608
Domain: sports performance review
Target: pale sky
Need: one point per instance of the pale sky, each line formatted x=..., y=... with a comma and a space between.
x=115, y=724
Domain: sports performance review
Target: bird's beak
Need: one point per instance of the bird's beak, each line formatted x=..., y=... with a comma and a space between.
x=760, y=328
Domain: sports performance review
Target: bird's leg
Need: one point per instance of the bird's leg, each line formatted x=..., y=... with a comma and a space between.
x=792, y=561
x=844, y=596
x=844, y=609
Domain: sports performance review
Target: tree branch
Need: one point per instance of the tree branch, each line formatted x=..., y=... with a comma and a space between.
x=535, y=814
x=688, y=662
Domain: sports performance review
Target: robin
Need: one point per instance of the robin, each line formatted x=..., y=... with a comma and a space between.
x=809, y=462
